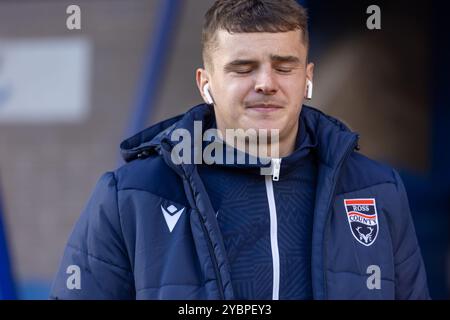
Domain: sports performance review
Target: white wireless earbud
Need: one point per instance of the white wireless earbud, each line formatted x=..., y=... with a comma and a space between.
x=207, y=93
x=309, y=88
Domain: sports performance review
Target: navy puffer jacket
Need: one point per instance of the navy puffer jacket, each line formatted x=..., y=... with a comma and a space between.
x=149, y=230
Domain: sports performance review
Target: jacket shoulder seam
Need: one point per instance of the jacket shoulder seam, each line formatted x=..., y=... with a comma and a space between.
x=118, y=207
x=366, y=187
x=97, y=258
x=151, y=193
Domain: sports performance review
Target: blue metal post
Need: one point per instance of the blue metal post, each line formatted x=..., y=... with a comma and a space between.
x=7, y=286
x=155, y=61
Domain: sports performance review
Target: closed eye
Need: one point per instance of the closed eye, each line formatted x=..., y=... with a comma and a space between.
x=284, y=70
x=241, y=66
x=244, y=71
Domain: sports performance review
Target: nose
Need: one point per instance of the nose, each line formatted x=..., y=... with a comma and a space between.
x=266, y=83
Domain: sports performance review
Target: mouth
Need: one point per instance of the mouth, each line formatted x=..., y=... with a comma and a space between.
x=264, y=108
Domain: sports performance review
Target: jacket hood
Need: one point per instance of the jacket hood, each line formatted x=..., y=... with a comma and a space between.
x=149, y=140
x=329, y=133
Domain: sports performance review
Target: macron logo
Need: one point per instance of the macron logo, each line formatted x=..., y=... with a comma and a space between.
x=171, y=215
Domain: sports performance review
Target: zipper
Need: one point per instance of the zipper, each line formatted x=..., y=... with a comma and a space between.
x=276, y=165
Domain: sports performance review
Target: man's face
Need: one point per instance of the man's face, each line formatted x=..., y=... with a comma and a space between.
x=258, y=80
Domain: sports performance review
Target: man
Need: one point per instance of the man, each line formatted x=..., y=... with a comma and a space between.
x=316, y=221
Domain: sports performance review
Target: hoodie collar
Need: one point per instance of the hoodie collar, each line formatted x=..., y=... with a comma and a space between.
x=304, y=148
x=318, y=131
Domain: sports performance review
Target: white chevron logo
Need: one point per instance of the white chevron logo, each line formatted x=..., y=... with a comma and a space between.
x=172, y=217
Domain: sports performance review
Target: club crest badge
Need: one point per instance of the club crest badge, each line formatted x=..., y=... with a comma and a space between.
x=363, y=219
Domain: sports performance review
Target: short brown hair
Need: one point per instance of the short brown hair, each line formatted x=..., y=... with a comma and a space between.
x=241, y=16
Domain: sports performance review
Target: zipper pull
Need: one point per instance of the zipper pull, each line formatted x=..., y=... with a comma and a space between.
x=276, y=166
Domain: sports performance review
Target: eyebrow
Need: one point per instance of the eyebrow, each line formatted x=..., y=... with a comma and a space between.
x=273, y=58
x=286, y=59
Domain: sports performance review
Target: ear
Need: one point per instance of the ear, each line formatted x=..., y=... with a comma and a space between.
x=202, y=78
